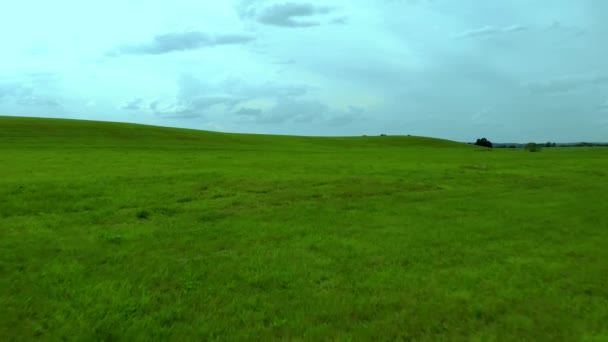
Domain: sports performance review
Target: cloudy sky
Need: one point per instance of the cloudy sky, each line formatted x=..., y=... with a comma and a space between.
x=508, y=70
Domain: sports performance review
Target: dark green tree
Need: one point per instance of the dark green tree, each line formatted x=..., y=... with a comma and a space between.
x=484, y=142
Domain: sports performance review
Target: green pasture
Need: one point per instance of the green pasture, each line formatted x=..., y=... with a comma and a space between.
x=123, y=232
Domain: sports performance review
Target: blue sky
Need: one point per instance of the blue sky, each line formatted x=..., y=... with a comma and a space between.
x=514, y=70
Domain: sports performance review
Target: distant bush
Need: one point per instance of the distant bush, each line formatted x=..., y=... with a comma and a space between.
x=382, y=135
x=533, y=147
x=484, y=142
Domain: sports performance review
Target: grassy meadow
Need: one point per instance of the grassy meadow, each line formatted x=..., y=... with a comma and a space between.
x=123, y=232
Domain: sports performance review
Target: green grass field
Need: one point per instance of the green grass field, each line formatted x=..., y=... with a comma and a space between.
x=122, y=232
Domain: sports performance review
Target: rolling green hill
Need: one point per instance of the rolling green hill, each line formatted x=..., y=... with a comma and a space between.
x=112, y=231
x=97, y=133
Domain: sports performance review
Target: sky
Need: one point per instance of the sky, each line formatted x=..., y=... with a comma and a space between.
x=507, y=70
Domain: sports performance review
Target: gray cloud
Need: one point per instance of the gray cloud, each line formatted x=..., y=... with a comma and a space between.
x=251, y=112
x=341, y=118
x=285, y=62
x=340, y=20
x=8, y=89
x=288, y=14
x=196, y=99
x=30, y=89
x=566, y=84
x=195, y=107
x=37, y=101
x=299, y=111
x=568, y=29
x=135, y=104
x=489, y=31
x=288, y=109
x=180, y=41
x=240, y=88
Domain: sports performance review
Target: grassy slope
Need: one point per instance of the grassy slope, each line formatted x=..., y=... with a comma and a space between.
x=116, y=231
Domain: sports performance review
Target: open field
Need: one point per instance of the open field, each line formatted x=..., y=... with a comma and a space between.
x=123, y=232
